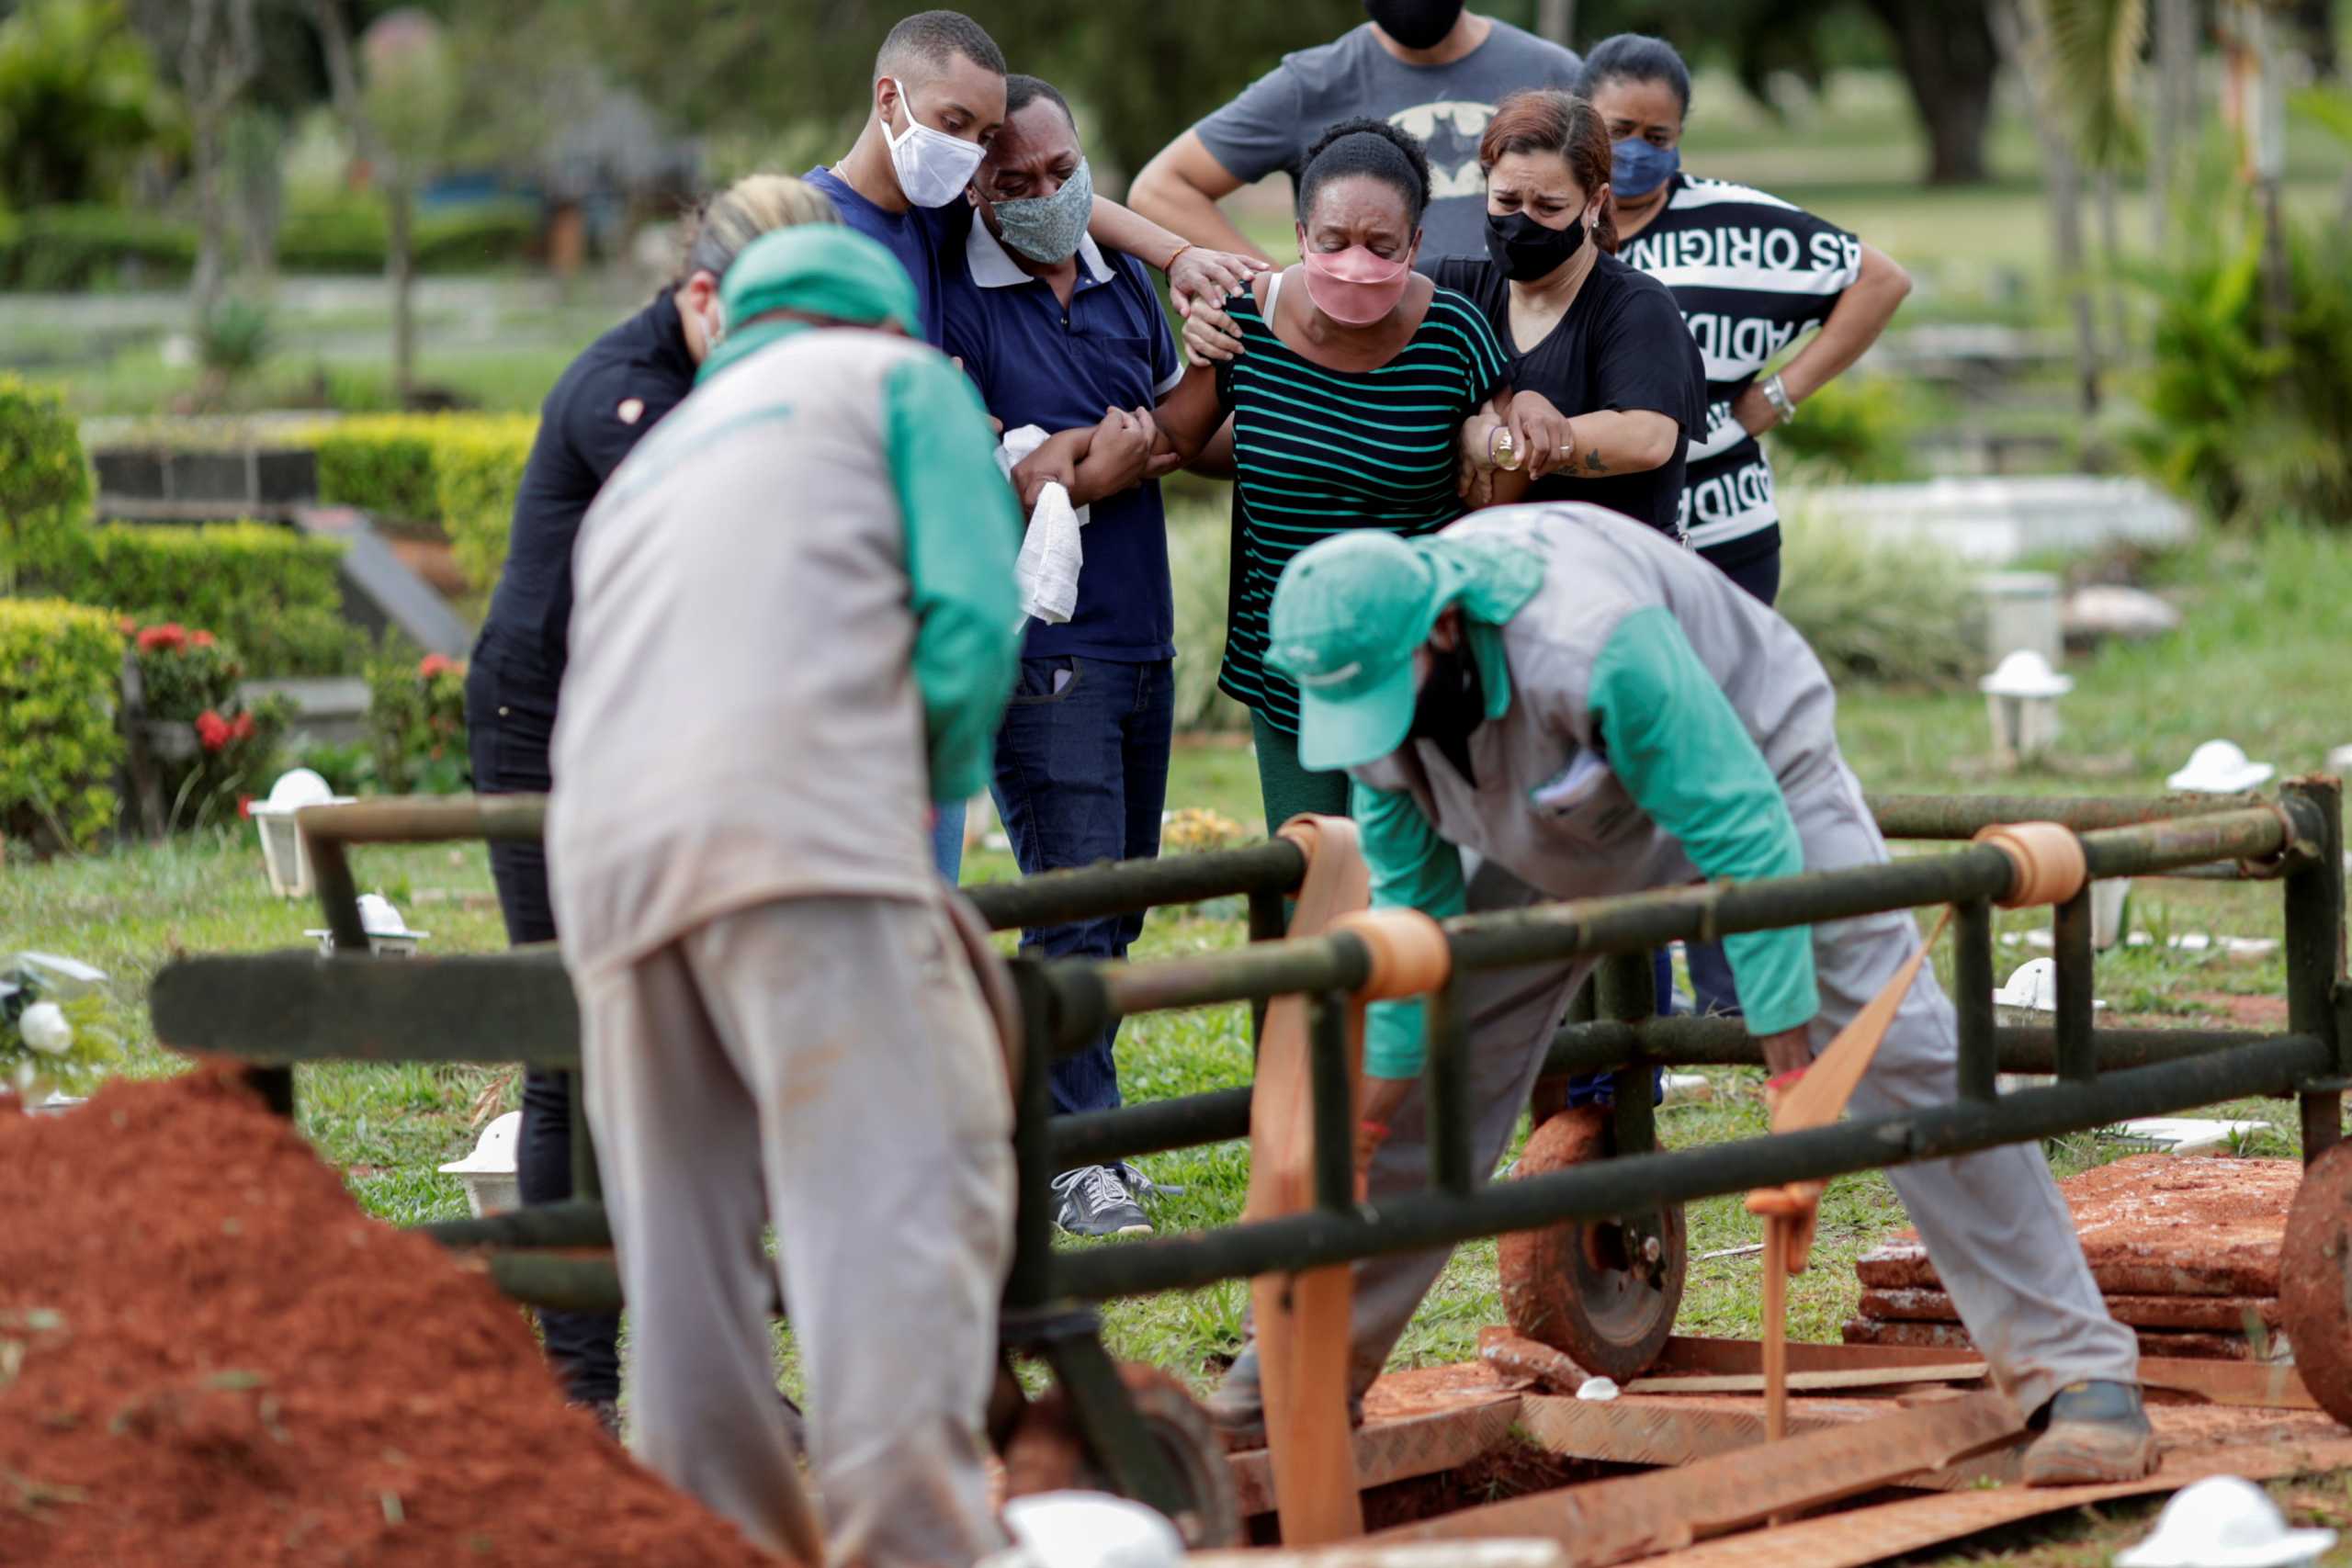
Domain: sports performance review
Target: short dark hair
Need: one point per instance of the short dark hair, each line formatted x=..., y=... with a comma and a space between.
x=1370, y=147
x=932, y=39
x=1021, y=91
x=1545, y=119
x=1635, y=56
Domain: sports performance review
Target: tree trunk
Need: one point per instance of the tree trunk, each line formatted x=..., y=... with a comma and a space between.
x=1945, y=50
x=2176, y=112
x=211, y=209
x=2316, y=20
x=1557, y=21
x=2110, y=267
x=2018, y=27
x=400, y=270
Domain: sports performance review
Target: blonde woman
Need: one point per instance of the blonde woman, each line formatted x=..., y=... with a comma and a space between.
x=623, y=385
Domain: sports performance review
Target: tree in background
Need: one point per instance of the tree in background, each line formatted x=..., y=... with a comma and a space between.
x=407, y=88
x=79, y=99
x=218, y=57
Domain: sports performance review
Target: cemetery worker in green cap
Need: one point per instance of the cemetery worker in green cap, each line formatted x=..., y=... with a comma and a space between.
x=795, y=631
x=1553, y=701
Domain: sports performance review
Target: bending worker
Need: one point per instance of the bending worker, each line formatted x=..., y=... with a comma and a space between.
x=795, y=631
x=1557, y=702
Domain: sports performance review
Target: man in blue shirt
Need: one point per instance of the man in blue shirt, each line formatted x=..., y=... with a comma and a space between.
x=1059, y=335
x=938, y=101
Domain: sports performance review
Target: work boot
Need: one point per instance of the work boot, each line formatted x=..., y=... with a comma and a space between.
x=2094, y=1433
x=1095, y=1202
x=1237, y=1407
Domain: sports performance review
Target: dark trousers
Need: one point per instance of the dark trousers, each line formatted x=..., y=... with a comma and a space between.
x=508, y=727
x=1081, y=776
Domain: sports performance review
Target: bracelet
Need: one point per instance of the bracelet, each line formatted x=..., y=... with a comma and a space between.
x=1174, y=254
x=1778, y=396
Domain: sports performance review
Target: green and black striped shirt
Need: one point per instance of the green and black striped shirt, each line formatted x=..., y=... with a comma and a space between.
x=1316, y=451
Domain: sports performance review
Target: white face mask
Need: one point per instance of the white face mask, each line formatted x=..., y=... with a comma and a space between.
x=933, y=166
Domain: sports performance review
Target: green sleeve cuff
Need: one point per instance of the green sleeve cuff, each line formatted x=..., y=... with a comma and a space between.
x=1411, y=868
x=963, y=536
x=1690, y=763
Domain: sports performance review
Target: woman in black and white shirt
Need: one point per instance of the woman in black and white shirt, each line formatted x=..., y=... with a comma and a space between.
x=1752, y=274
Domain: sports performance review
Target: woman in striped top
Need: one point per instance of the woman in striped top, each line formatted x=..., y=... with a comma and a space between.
x=1349, y=404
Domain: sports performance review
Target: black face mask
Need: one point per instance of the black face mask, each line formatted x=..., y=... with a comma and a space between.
x=1526, y=250
x=1451, y=704
x=1415, y=24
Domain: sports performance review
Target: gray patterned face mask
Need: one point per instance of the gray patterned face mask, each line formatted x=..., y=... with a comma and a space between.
x=1047, y=228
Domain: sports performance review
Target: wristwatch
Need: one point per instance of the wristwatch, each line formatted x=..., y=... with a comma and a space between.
x=1778, y=396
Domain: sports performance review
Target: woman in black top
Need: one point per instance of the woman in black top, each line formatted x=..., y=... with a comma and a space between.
x=1607, y=384
x=602, y=406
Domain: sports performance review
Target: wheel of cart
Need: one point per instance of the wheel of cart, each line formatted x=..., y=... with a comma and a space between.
x=1605, y=1294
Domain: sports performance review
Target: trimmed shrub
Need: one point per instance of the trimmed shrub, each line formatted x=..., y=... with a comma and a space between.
x=462, y=469
x=477, y=467
x=270, y=591
x=57, y=249
x=44, y=481
x=381, y=462
x=61, y=669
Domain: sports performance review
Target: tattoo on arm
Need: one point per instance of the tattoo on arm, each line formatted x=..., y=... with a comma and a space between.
x=1592, y=463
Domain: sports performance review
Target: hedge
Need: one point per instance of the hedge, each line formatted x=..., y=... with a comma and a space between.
x=270, y=591
x=462, y=469
x=65, y=248
x=44, y=480
x=61, y=670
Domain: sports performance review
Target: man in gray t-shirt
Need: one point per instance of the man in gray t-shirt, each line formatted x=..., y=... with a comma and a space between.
x=1426, y=65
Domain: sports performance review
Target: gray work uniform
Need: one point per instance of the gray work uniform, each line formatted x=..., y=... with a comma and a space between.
x=1994, y=1223
x=777, y=1022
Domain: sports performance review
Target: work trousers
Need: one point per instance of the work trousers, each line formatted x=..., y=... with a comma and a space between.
x=1081, y=776
x=507, y=726
x=825, y=1065
x=1995, y=1226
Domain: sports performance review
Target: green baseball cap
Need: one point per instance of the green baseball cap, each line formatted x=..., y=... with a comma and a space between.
x=1348, y=614
x=822, y=269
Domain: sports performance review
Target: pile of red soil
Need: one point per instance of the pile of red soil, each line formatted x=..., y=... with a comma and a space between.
x=208, y=1356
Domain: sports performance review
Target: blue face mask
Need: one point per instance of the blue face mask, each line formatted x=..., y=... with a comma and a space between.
x=1047, y=228
x=1637, y=167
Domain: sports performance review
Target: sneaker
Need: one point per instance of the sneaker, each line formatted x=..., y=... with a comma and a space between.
x=1140, y=1186
x=2096, y=1433
x=1095, y=1202
x=1237, y=1409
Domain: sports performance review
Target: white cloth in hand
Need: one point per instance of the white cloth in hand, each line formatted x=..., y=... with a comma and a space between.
x=1051, y=551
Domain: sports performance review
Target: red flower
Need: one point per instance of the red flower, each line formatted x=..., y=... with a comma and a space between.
x=434, y=664
x=243, y=729
x=202, y=639
x=244, y=808
x=211, y=731
x=170, y=635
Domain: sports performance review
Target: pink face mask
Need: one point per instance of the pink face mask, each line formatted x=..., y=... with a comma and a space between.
x=1354, y=286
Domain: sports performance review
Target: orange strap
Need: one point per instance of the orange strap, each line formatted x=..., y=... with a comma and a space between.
x=1304, y=1320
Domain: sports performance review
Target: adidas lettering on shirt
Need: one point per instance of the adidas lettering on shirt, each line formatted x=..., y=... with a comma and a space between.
x=1752, y=274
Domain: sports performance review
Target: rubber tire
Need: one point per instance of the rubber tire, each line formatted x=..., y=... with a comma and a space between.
x=2316, y=1280
x=1610, y=1322
x=1046, y=1454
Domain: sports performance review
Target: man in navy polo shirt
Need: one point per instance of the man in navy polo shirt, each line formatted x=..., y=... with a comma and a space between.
x=1061, y=336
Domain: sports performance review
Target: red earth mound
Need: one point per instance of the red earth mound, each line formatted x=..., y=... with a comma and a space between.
x=209, y=1356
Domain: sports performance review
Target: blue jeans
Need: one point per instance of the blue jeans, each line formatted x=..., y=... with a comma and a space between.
x=947, y=839
x=1711, y=991
x=1081, y=773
